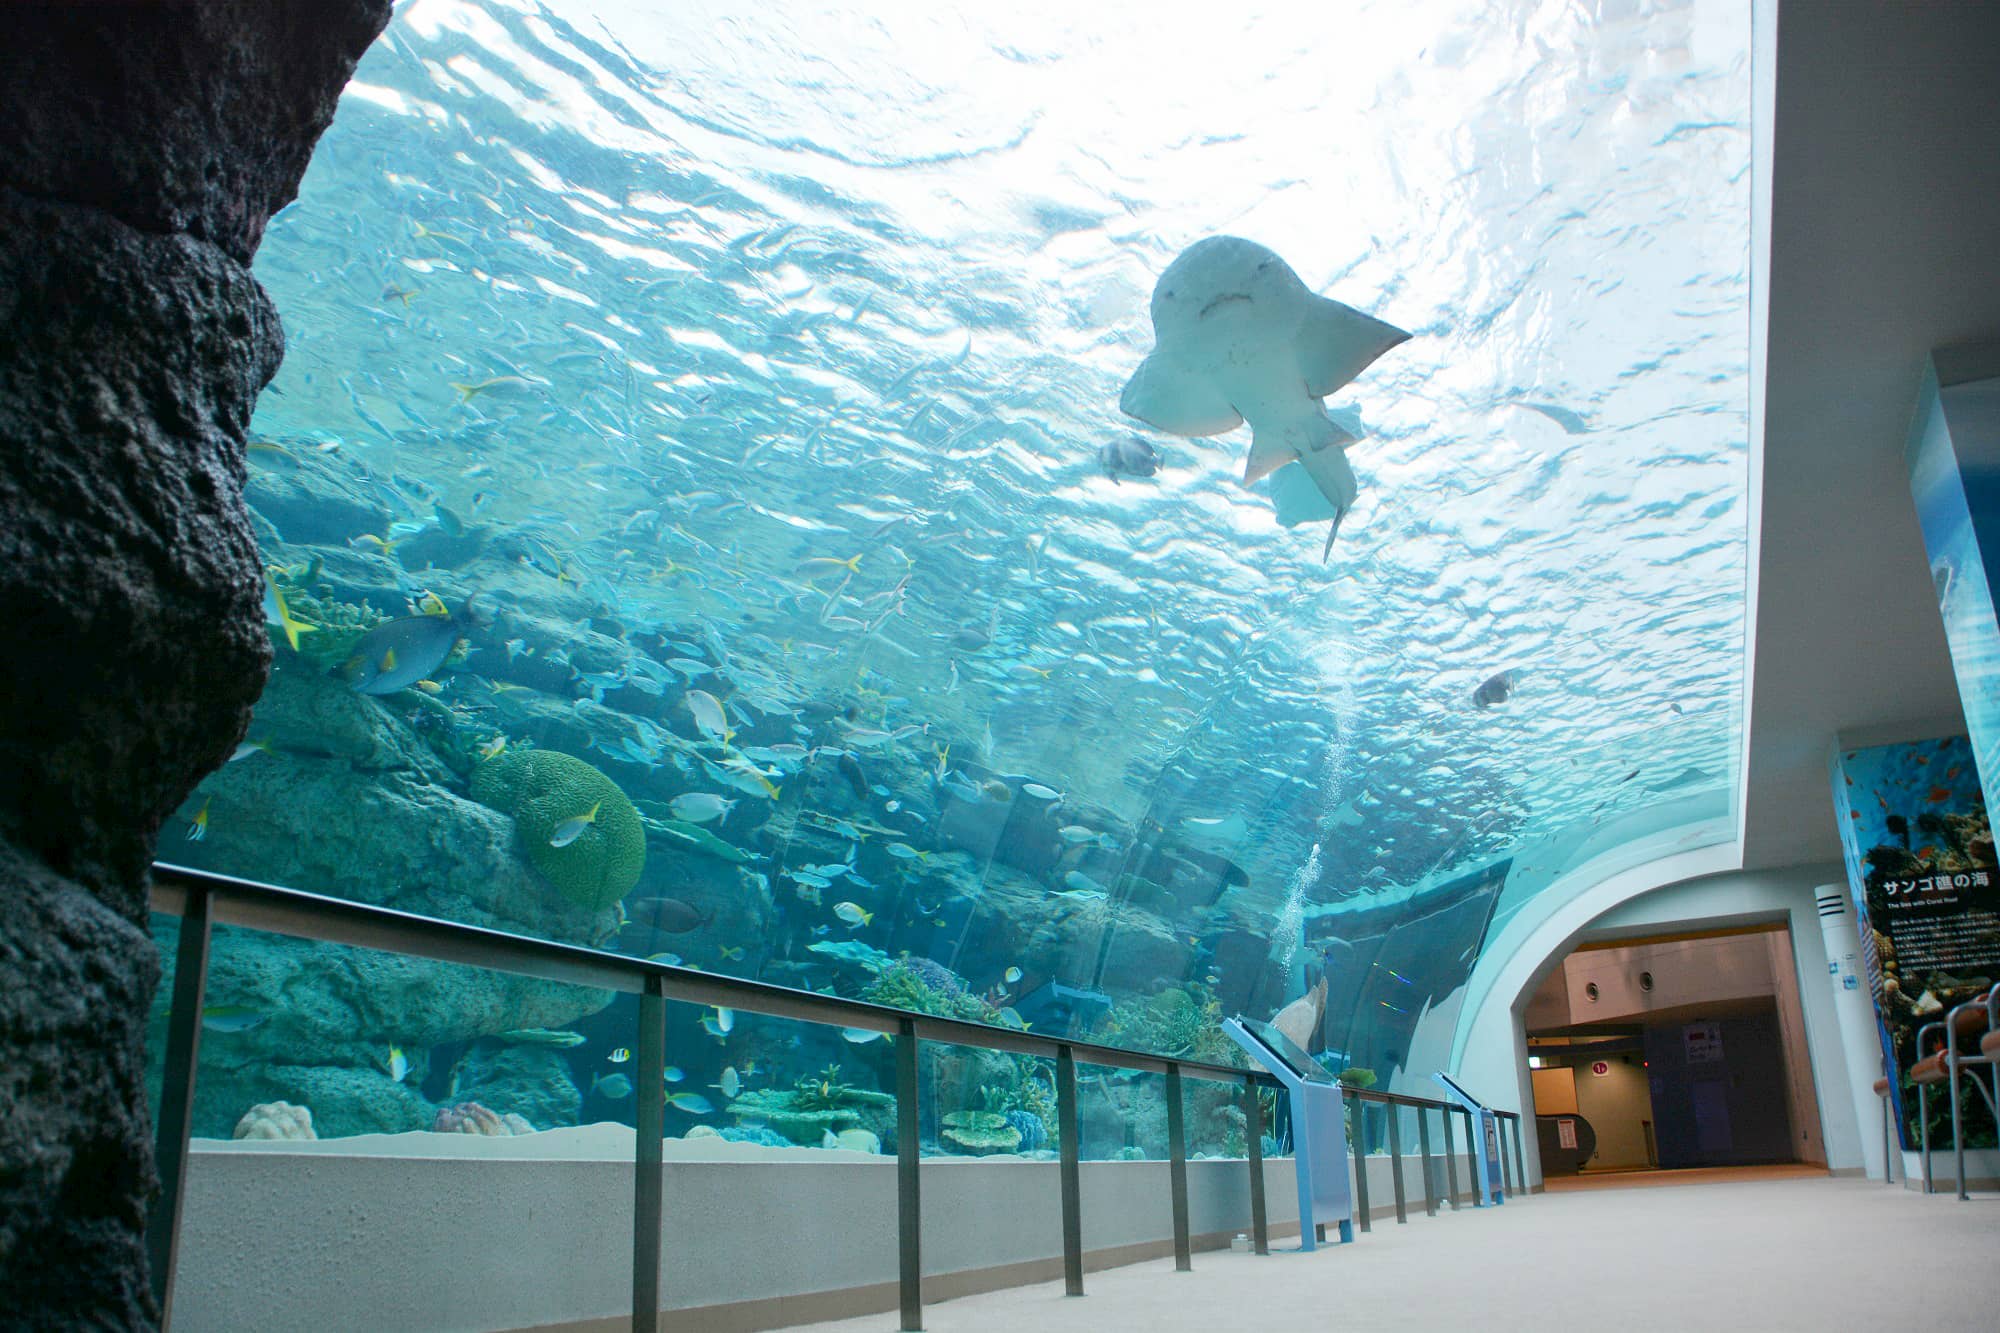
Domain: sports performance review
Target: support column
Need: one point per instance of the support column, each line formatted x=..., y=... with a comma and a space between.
x=142, y=149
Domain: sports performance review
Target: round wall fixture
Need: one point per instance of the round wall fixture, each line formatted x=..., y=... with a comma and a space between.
x=1645, y=981
x=1590, y=991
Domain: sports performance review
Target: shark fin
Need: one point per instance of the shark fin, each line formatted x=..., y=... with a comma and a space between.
x=1176, y=400
x=1337, y=342
x=1269, y=451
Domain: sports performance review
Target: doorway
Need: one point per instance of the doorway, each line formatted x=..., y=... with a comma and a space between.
x=1672, y=1053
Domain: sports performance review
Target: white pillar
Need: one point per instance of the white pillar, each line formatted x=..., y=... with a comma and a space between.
x=1854, y=1007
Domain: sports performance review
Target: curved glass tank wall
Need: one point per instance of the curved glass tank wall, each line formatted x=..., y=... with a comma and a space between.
x=700, y=523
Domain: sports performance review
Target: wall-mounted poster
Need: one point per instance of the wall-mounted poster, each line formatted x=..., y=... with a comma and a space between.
x=1920, y=863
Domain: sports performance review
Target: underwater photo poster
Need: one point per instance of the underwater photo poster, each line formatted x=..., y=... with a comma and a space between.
x=1920, y=863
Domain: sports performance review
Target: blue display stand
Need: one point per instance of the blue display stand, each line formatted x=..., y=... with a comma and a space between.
x=1319, y=1129
x=1490, y=1187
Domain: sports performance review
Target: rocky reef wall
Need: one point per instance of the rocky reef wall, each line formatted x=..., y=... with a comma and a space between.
x=142, y=149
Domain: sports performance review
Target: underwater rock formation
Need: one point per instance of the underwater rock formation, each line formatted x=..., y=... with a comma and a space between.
x=141, y=151
x=533, y=1082
x=347, y=799
x=579, y=829
x=275, y=1120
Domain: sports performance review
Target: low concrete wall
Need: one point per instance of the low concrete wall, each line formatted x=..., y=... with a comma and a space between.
x=399, y=1234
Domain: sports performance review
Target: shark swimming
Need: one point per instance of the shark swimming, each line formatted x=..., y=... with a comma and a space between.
x=1238, y=337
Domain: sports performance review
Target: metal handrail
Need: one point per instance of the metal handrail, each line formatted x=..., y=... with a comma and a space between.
x=203, y=899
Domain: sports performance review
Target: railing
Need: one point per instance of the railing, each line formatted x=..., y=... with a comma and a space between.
x=203, y=899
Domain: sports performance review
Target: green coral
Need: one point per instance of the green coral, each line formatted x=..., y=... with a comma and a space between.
x=981, y=1132
x=541, y=789
x=336, y=627
x=1184, y=1022
x=814, y=1107
x=902, y=985
x=1357, y=1077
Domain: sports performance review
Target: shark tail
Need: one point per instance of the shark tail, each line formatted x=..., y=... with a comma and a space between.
x=1328, y=467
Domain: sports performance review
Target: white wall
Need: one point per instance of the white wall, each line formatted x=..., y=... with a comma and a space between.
x=1492, y=1046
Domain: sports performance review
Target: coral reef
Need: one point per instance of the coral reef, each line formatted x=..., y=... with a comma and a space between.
x=1183, y=1021
x=275, y=1120
x=979, y=1133
x=1033, y=1130
x=472, y=1118
x=542, y=789
x=814, y=1107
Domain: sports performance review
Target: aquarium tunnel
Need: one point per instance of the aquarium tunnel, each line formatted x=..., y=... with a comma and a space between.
x=844, y=586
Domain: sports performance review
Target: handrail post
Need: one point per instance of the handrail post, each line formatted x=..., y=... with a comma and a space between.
x=1361, y=1165
x=170, y=1147
x=909, y=1197
x=1072, y=1182
x=1472, y=1151
x=1396, y=1161
x=1520, y=1161
x=649, y=1179
x=1506, y=1166
x=1424, y=1147
x=1253, y=1136
x=1177, y=1170
x=1450, y=1159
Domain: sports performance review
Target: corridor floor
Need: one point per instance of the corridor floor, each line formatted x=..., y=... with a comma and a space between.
x=1760, y=1253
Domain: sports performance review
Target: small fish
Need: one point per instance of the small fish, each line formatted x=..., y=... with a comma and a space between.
x=1083, y=883
x=669, y=915
x=621, y=1055
x=670, y=959
x=572, y=828
x=231, y=1017
x=853, y=914
x=517, y=648
x=498, y=384
x=616, y=1086
x=430, y=687
x=1039, y=792
x=543, y=1037
x=276, y=612
x=1937, y=795
x=1495, y=690
x=494, y=748
x=674, y=1073
x=731, y=1084
x=731, y=953
x=700, y=807
x=860, y=1036
x=725, y=1019
x=826, y=564
x=1011, y=976
x=198, y=828
x=1129, y=457
x=827, y=1139
x=902, y=851
x=248, y=748
x=399, y=1064
x=691, y=1102
x=709, y=718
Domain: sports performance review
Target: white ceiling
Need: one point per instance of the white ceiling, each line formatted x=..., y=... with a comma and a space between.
x=1884, y=243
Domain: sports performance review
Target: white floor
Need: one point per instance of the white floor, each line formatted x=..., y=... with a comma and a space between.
x=1763, y=1254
